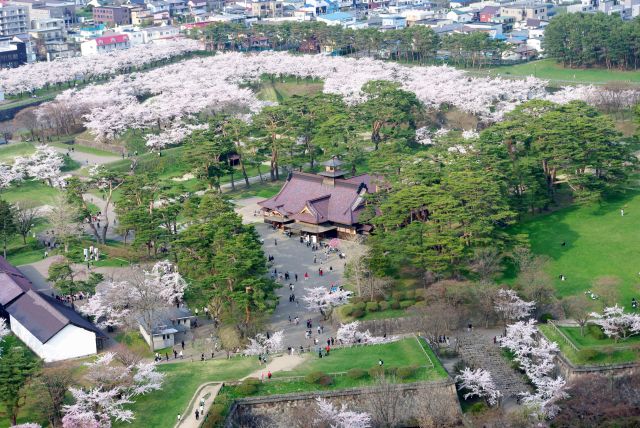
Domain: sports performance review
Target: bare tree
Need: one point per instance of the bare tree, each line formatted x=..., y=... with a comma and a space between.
x=434, y=409
x=54, y=383
x=126, y=355
x=63, y=218
x=486, y=262
x=385, y=402
x=578, y=308
x=357, y=269
x=438, y=319
x=26, y=214
x=230, y=339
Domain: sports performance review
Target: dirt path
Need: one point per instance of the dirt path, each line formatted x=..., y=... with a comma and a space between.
x=209, y=391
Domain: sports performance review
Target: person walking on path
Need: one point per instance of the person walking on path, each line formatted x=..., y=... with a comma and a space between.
x=181, y=355
x=182, y=345
x=197, y=414
x=179, y=417
x=296, y=277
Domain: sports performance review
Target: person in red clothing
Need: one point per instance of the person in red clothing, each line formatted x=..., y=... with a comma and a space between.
x=327, y=348
x=269, y=374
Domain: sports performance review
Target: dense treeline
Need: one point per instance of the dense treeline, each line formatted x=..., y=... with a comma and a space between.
x=412, y=44
x=594, y=40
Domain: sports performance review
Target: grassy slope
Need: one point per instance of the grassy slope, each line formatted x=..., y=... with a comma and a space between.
x=10, y=151
x=159, y=409
x=33, y=191
x=277, y=91
x=600, y=355
x=599, y=242
x=550, y=70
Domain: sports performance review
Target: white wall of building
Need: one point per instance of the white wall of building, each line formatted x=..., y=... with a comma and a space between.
x=70, y=342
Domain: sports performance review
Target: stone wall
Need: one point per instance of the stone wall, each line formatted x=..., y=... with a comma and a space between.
x=570, y=372
x=411, y=402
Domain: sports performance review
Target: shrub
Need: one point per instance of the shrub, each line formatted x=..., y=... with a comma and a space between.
x=356, y=300
x=397, y=295
x=314, y=377
x=545, y=317
x=394, y=304
x=372, y=306
x=378, y=298
x=407, y=303
x=360, y=305
x=406, y=372
x=325, y=380
x=589, y=354
x=376, y=371
x=358, y=313
x=478, y=407
x=247, y=388
x=356, y=373
x=410, y=294
x=347, y=310
x=391, y=371
x=419, y=298
x=384, y=305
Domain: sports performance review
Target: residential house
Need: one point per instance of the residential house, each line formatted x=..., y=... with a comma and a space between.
x=169, y=327
x=322, y=205
x=14, y=19
x=51, y=329
x=112, y=15
x=392, y=22
x=266, y=8
x=459, y=16
x=488, y=13
x=92, y=31
x=162, y=32
x=105, y=44
x=178, y=7
x=13, y=52
x=197, y=7
x=140, y=16
x=521, y=11
x=343, y=19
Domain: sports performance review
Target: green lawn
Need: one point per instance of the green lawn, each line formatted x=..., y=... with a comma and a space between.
x=550, y=70
x=593, y=337
x=32, y=191
x=405, y=352
x=599, y=242
x=265, y=190
x=277, y=90
x=10, y=151
x=592, y=355
x=159, y=409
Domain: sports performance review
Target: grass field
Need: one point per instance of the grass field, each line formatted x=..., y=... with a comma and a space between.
x=159, y=409
x=592, y=350
x=10, y=151
x=548, y=69
x=405, y=352
x=599, y=243
x=277, y=90
x=33, y=191
x=85, y=149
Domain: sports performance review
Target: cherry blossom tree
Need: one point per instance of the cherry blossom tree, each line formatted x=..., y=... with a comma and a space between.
x=37, y=75
x=263, y=345
x=478, y=383
x=7, y=176
x=138, y=299
x=511, y=307
x=341, y=418
x=113, y=386
x=324, y=300
x=27, y=425
x=45, y=164
x=349, y=334
x=616, y=323
x=535, y=356
x=95, y=408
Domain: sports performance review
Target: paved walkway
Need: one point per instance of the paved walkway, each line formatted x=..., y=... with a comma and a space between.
x=477, y=348
x=209, y=391
x=87, y=158
x=296, y=258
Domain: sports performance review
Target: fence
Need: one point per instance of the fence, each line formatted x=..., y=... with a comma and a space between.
x=563, y=336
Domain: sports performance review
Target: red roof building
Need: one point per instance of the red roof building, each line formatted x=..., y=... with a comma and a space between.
x=325, y=204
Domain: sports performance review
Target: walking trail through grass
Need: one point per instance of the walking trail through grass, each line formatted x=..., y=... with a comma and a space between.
x=209, y=391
